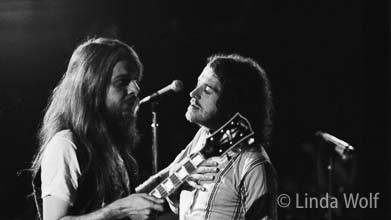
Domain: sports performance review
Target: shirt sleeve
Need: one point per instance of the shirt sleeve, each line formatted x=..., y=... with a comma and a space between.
x=60, y=170
x=254, y=190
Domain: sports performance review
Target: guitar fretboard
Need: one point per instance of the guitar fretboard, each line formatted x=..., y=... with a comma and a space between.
x=230, y=135
x=175, y=180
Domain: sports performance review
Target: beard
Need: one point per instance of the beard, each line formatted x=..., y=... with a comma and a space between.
x=198, y=116
x=121, y=121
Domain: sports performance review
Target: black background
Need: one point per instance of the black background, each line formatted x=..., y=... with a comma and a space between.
x=328, y=62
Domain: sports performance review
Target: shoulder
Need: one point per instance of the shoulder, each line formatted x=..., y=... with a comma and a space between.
x=64, y=136
x=59, y=156
x=60, y=168
x=60, y=145
x=251, y=160
x=251, y=155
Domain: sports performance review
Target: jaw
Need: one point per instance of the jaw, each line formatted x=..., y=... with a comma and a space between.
x=193, y=115
x=196, y=116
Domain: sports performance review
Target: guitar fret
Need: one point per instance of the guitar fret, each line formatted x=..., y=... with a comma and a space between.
x=174, y=179
x=162, y=191
x=189, y=167
x=197, y=159
x=182, y=173
x=168, y=185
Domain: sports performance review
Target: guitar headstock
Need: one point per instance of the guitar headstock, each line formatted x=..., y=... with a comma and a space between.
x=232, y=133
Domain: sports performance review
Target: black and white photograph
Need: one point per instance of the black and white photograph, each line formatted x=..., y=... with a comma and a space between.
x=195, y=110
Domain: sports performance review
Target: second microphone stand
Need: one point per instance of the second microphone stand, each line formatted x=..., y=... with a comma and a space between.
x=154, y=126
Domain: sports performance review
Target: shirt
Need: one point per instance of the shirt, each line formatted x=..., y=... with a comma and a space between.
x=60, y=168
x=240, y=184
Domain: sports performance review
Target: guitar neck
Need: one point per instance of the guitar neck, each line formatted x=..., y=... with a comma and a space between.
x=230, y=135
x=175, y=180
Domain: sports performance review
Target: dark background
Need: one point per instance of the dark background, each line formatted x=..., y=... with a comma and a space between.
x=328, y=62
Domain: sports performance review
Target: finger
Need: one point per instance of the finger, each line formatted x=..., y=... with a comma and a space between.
x=151, y=208
x=145, y=212
x=201, y=177
x=152, y=198
x=203, y=169
x=139, y=216
x=209, y=163
x=196, y=186
x=158, y=207
x=144, y=203
x=154, y=203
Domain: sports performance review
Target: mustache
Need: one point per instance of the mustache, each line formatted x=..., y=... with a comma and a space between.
x=194, y=102
x=131, y=99
x=130, y=104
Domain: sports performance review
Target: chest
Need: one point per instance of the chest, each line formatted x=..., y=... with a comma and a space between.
x=223, y=195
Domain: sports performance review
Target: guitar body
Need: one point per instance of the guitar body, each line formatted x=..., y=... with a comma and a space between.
x=233, y=133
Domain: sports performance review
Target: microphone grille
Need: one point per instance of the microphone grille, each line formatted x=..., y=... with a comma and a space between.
x=177, y=85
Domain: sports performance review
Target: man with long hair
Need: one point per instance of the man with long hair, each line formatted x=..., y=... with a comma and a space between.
x=240, y=184
x=84, y=168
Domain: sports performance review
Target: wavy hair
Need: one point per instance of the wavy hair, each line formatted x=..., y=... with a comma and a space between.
x=245, y=89
x=78, y=104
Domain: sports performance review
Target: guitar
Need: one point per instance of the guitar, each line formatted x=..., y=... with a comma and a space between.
x=227, y=137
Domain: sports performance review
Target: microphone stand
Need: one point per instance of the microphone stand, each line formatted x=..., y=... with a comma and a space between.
x=330, y=168
x=154, y=126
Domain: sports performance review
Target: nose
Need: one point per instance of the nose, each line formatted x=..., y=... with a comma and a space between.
x=196, y=92
x=133, y=87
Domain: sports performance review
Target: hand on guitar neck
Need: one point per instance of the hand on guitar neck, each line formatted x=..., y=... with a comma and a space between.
x=206, y=172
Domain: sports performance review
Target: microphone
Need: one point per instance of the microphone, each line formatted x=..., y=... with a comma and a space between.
x=175, y=86
x=343, y=149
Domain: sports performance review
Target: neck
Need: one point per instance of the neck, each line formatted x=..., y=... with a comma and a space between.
x=211, y=129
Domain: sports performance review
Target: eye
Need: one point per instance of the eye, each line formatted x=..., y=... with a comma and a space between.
x=120, y=83
x=208, y=89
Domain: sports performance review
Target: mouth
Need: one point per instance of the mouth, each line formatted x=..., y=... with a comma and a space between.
x=194, y=105
x=130, y=103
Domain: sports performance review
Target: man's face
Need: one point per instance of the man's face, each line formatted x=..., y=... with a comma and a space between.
x=122, y=94
x=202, y=109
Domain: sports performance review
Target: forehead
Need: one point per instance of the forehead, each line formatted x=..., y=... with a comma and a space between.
x=208, y=76
x=124, y=68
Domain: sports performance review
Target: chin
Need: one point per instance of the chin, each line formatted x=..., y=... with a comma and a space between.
x=188, y=116
x=191, y=117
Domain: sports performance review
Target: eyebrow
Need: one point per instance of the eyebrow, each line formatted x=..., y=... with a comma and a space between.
x=124, y=76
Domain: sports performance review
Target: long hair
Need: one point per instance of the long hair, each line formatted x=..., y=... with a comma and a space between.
x=78, y=104
x=245, y=89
